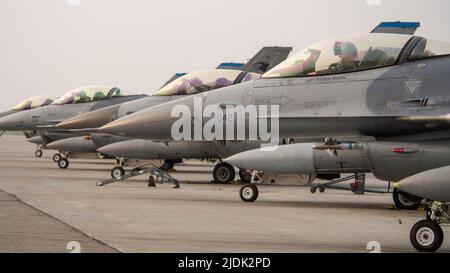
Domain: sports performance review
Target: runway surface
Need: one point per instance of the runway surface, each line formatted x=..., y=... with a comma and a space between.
x=128, y=216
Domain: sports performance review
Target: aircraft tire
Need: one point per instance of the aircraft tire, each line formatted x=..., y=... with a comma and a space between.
x=249, y=193
x=117, y=172
x=63, y=163
x=426, y=236
x=223, y=173
x=38, y=153
x=57, y=157
x=405, y=201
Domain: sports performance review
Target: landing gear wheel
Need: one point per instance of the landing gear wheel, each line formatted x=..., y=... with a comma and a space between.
x=426, y=236
x=403, y=200
x=321, y=189
x=151, y=181
x=57, y=157
x=167, y=166
x=223, y=173
x=117, y=172
x=249, y=193
x=38, y=153
x=245, y=176
x=63, y=163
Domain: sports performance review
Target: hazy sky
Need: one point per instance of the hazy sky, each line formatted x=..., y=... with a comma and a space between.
x=52, y=46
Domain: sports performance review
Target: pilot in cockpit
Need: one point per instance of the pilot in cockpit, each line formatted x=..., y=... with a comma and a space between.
x=349, y=57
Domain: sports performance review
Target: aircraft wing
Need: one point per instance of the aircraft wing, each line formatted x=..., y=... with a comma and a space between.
x=407, y=28
x=266, y=59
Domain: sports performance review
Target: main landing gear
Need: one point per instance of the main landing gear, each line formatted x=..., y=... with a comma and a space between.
x=405, y=201
x=427, y=235
x=63, y=163
x=224, y=173
x=61, y=160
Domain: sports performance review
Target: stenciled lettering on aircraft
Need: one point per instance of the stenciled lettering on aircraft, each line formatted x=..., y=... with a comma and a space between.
x=325, y=79
x=280, y=100
x=318, y=104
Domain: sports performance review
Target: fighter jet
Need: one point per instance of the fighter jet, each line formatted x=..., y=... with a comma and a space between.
x=192, y=83
x=373, y=88
x=28, y=104
x=74, y=102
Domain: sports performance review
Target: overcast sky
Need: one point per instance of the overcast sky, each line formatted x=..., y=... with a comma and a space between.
x=52, y=46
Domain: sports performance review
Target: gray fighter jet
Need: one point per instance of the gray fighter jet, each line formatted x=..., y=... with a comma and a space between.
x=192, y=83
x=28, y=104
x=384, y=95
x=74, y=102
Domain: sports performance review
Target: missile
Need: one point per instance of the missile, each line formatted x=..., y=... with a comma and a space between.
x=341, y=147
x=432, y=184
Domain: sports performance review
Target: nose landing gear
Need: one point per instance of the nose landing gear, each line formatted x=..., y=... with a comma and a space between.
x=427, y=235
x=38, y=153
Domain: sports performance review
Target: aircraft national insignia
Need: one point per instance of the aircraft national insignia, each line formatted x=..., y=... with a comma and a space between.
x=413, y=85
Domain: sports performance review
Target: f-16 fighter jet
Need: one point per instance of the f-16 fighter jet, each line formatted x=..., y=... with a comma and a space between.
x=384, y=95
x=74, y=102
x=192, y=83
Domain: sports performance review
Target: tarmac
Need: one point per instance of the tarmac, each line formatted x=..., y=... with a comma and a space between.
x=46, y=209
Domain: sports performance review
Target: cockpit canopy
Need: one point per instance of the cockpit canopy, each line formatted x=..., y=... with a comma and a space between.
x=34, y=102
x=427, y=48
x=205, y=80
x=346, y=54
x=89, y=94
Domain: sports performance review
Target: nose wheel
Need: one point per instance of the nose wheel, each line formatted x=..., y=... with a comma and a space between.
x=249, y=193
x=426, y=236
x=38, y=153
x=117, y=172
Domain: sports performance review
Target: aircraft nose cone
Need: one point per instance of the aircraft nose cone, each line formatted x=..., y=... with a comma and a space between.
x=92, y=119
x=12, y=122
